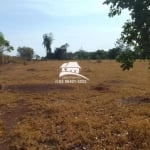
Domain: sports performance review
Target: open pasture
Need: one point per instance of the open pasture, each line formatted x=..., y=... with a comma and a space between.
x=111, y=111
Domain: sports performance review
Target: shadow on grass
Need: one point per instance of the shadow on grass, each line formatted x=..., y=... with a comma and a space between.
x=33, y=88
x=136, y=100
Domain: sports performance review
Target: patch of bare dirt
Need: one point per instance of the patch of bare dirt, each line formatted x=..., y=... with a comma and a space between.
x=32, y=88
x=10, y=118
x=1, y=87
x=31, y=69
x=136, y=100
x=101, y=88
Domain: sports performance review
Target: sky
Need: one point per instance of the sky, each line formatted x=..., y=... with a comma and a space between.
x=83, y=24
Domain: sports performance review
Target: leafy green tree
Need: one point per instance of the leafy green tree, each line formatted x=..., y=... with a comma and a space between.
x=128, y=57
x=101, y=54
x=113, y=53
x=81, y=54
x=136, y=30
x=47, y=42
x=4, y=45
x=60, y=53
x=70, y=55
x=92, y=55
x=65, y=46
x=26, y=53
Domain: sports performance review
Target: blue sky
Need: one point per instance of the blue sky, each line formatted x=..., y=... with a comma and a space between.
x=81, y=23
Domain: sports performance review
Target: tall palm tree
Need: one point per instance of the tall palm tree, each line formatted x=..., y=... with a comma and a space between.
x=47, y=42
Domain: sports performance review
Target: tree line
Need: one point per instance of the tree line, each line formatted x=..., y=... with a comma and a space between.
x=25, y=53
x=133, y=44
x=121, y=51
x=136, y=31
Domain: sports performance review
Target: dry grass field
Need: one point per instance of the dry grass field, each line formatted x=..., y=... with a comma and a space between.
x=111, y=111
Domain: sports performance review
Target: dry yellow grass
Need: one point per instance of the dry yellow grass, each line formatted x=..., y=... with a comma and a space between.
x=111, y=111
